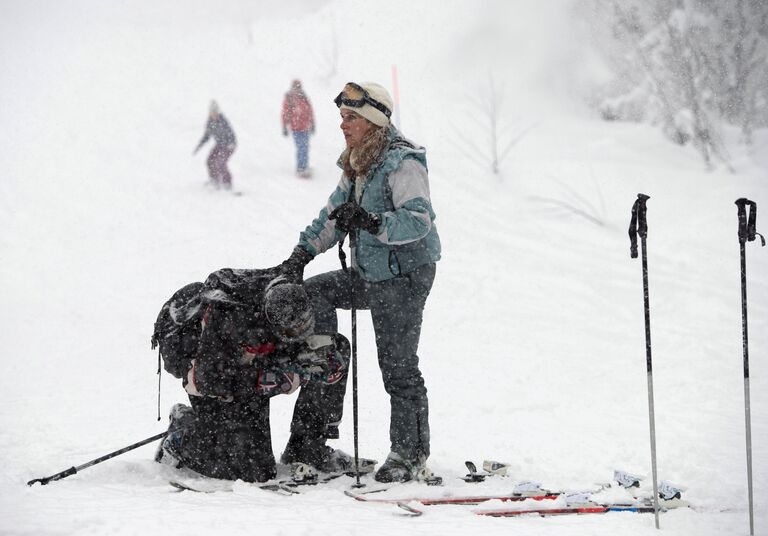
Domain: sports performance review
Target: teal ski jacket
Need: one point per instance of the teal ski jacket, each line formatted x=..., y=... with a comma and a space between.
x=397, y=190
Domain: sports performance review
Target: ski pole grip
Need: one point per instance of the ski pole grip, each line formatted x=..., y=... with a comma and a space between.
x=752, y=221
x=58, y=476
x=748, y=221
x=642, y=221
x=342, y=255
x=638, y=224
x=741, y=203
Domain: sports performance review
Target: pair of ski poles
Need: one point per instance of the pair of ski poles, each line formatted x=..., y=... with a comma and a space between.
x=747, y=214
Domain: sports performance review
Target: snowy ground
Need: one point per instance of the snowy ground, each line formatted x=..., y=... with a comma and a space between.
x=533, y=341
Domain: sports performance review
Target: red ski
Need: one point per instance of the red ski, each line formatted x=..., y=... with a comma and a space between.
x=464, y=500
x=596, y=509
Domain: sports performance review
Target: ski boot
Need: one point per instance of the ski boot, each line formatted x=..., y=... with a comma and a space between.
x=398, y=469
x=169, y=450
x=328, y=460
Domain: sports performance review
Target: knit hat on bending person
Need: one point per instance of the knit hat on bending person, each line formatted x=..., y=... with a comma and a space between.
x=368, y=99
x=289, y=311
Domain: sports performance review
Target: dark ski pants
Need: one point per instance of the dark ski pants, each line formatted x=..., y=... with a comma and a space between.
x=230, y=440
x=316, y=417
x=396, y=307
x=217, y=165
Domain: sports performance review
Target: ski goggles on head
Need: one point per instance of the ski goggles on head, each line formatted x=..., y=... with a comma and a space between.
x=354, y=96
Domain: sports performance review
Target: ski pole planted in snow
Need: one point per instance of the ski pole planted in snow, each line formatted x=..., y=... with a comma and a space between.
x=747, y=233
x=342, y=258
x=73, y=470
x=639, y=226
x=352, y=245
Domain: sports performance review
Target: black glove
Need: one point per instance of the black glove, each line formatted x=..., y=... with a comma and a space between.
x=285, y=131
x=351, y=216
x=293, y=266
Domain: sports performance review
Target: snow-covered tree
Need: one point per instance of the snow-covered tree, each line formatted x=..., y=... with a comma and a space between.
x=687, y=65
x=743, y=62
x=500, y=132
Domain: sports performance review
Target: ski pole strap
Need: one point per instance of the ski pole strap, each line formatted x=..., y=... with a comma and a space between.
x=748, y=221
x=638, y=224
x=342, y=255
x=352, y=243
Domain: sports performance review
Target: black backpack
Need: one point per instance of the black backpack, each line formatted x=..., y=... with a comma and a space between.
x=179, y=324
x=178, y=328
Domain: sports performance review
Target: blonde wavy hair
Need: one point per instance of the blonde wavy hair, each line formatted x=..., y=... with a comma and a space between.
x=357, y=161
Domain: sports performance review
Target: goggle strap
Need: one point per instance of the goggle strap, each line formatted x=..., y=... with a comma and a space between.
x=359, y=103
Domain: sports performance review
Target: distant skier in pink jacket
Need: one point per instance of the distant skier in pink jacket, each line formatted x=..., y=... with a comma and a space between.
x=218, y=127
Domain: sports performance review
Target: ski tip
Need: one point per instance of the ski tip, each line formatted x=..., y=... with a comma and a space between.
x=410, y=510
x=178, y=487
x=354, y=495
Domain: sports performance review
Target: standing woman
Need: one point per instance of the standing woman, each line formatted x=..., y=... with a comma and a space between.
x=218, y=127
x=383, y=195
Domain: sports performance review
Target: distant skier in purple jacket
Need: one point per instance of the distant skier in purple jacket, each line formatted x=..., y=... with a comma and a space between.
x=218, y=127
